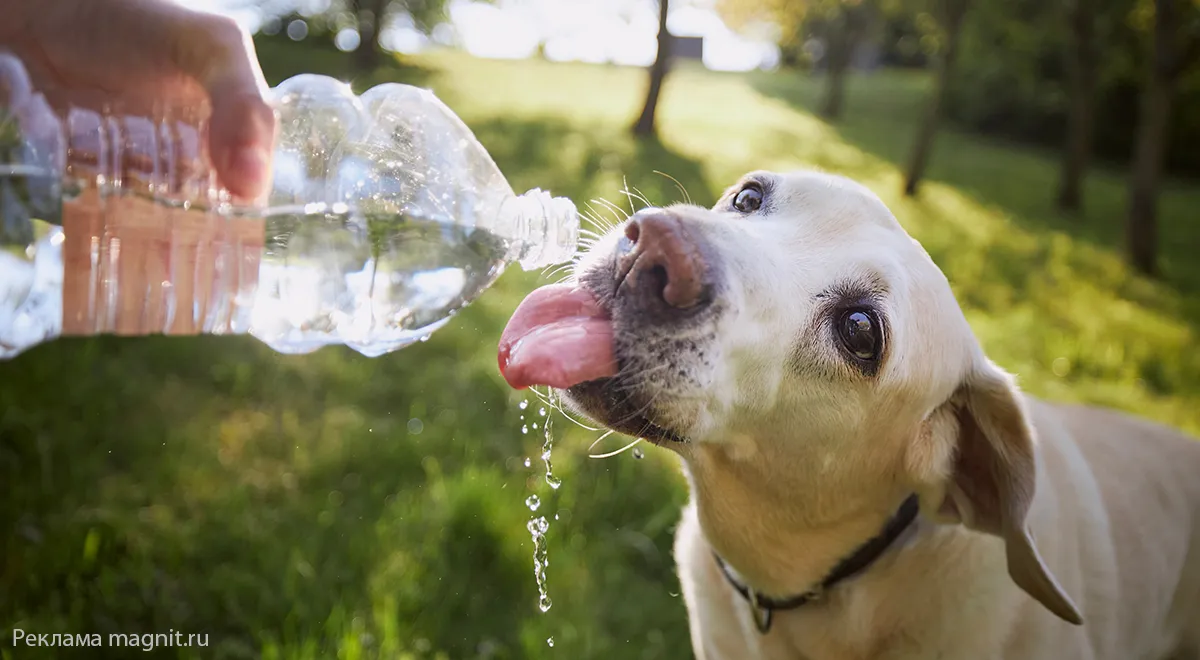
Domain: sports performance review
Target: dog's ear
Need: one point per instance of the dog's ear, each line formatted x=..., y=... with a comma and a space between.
x=993, y=478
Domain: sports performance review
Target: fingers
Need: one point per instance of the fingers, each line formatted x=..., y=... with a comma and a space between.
x=220, y=56
x=142, y=52
x=241, y=133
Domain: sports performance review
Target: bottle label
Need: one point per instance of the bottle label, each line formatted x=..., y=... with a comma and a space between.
x=82, y=229
x=134, y=266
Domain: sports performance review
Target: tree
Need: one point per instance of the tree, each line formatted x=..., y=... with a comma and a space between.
x=369, y=16
x=658, y=72
x=1174, y=46
x=786, y=17
x=850, y=21
x=951, y=14
x=1081, y=69
x=842, y=24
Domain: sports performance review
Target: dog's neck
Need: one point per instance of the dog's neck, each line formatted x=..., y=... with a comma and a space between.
x=783, y=534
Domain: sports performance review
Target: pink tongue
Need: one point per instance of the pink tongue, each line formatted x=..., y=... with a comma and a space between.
x=558, y=336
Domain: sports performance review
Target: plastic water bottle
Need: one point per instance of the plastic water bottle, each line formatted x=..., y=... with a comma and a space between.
x=385, y=217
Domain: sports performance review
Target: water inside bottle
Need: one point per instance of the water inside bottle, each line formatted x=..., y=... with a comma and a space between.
x=299, y=279
x=373, y=282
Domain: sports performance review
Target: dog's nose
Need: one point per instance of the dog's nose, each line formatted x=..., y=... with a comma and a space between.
x=663, y=260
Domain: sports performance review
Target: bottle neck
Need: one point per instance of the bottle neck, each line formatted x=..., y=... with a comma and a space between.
x=547, y=229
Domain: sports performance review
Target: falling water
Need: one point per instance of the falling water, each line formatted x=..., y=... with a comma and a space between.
x=547, y=445
x=537, y=529
x=538, y=526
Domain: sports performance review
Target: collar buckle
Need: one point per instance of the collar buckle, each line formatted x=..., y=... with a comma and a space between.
x=762, y=615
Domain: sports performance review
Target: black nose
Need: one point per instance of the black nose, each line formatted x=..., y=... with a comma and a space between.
x=663, y=261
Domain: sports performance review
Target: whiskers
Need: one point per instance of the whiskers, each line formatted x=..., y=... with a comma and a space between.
x=551, y=401
x=598, y=440
x=687, y=199
x=618, y=452
x=606, y=215
x=633, y=194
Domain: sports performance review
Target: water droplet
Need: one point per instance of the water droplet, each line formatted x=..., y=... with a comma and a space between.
x=415, y=426
x=550, y=642
x=524, y=429
x=528, y=462
x=537, y=530
x=638, y=453
x=533, y=502
x=538, y=526
x=424, y=338
x=523, y=405
x=556, y=516
x=535, y=426
x=542, y=412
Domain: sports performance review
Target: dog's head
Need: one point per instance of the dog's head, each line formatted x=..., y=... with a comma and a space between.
x=791, y=341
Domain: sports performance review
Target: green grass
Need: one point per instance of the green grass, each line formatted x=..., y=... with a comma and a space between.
x=334, y=506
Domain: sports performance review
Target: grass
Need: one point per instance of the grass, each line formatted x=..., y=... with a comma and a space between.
x=337, y=506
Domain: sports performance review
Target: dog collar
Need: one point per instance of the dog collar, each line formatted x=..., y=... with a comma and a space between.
x=763, y=607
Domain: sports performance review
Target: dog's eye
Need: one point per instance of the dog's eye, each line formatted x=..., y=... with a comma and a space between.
x=859, y=332
x=748, y=199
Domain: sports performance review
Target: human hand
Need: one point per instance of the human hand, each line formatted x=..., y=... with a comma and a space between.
x=146, y=53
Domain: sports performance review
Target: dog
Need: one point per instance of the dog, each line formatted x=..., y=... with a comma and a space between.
x=864, y=482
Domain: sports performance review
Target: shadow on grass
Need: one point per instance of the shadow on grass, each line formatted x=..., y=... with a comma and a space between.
x=584, y=162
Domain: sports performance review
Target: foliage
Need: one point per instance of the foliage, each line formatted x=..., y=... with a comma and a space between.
x=794, y=20
x=905, y=30
x=424, y=15
x=1013, y=76
x=332, y=505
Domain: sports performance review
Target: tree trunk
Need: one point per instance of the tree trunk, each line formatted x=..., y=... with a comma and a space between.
x=1141, y=225
x=837, y=58
x=1081, y=71
x=843, y=39
x=1154, y=117
x=658, y=72
x=952, y=17
x=1168, y=61
x=370, y=15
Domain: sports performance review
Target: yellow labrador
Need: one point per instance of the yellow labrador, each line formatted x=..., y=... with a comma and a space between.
x=865, y=483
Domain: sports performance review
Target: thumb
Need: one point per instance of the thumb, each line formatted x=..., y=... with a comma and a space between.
x=220, y=55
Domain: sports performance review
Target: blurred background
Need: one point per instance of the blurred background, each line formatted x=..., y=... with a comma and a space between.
x=334, y=506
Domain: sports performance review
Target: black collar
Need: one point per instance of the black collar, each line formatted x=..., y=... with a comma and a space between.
x=762, y=607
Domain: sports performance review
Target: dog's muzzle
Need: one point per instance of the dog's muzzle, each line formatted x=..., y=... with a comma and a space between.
x=664, y=268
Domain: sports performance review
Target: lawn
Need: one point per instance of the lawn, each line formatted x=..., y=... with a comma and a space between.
x=333, y=505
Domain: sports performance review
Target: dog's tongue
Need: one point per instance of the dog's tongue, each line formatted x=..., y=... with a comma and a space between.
x=558, y=336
